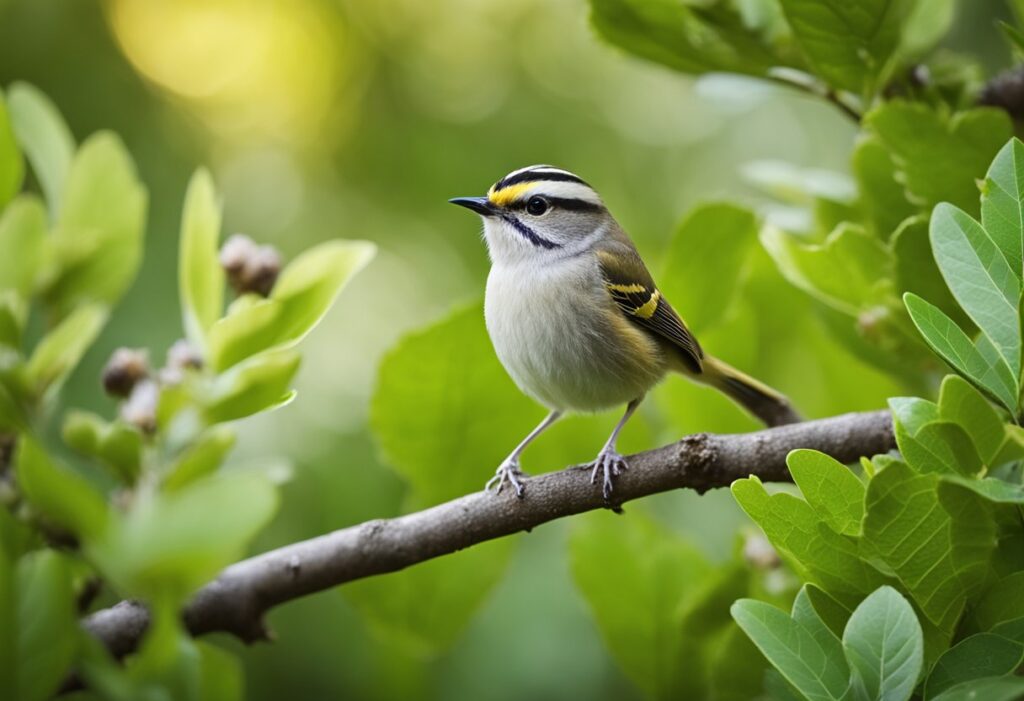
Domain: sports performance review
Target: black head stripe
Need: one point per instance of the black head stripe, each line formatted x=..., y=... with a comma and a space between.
x=539, y=174
x=570, y=203
x=529, y=234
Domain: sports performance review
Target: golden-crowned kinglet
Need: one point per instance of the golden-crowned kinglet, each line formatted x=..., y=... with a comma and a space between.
x=576, y=318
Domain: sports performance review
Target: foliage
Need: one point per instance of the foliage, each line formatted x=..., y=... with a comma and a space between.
x=910, y=567
x=942, y=522
x=66, y=263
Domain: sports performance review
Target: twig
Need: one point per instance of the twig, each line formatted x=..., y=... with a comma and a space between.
x=238, y=599
x=817, y=90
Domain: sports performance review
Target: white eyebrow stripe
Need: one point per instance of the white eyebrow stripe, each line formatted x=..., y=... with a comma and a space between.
x=566, y=191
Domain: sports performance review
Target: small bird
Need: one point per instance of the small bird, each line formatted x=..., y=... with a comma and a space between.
x=575, y=316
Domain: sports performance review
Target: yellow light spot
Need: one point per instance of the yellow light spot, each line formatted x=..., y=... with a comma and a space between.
x=507, y=195
x=627, y=289
x=647, y=310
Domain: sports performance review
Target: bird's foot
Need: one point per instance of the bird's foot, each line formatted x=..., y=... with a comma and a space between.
x=610, y=464
x=507, y=472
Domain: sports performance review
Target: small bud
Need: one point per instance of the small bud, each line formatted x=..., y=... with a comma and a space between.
x=759, y=553
x=126, y=367
x=183, y=356
x=250, y=268
x=140, y=409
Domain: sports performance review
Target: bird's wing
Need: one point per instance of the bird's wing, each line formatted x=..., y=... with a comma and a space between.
x=632, y=288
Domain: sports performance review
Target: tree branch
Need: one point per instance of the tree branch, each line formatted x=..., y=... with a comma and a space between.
x=238, y=599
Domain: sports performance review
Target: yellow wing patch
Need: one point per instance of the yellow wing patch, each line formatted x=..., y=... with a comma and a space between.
x=647, y=309
x=635, y=287
x=507, y=195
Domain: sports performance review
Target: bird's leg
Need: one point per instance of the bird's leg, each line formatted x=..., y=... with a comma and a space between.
x=609, y=461
x=509, y=470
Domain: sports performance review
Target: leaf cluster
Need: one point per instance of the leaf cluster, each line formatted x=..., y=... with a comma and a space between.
x=133, y=529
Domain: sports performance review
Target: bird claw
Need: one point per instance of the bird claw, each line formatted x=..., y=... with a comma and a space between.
x=508, y=472
x=611, y=464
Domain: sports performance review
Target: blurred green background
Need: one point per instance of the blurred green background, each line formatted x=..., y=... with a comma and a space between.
x=359, y=119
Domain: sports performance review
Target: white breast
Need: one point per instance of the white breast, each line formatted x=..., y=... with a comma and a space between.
x=550, y=328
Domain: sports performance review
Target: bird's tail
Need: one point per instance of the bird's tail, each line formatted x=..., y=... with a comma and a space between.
x=759, y=399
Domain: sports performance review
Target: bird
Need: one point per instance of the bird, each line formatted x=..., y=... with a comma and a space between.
x=576, y=319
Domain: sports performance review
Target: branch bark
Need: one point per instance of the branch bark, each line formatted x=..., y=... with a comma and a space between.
x=238, y=599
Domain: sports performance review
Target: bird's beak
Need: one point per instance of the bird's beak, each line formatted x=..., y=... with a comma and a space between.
x=480, y=205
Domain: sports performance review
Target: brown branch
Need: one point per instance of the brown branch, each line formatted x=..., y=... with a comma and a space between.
x=238, y=599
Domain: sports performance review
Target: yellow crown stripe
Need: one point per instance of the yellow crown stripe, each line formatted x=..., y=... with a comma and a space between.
x=509, y=194
x=646, y=311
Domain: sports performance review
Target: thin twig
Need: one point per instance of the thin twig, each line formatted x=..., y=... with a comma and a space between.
x=238, y=599
x=818, y=90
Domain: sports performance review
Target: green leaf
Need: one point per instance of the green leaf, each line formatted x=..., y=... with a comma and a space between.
x=961, y=403
x=990, y=374
x=456, y=585
x=885, y=646
x=832, y=490
x=1002, y=204
x=706, y=262
x=980, y=279
x=639, y=611
x=12, y=167
x=221, y=675
x=160, y=549
x=939, y=446
x=44, y=137
x=818, y=553
x=260, y=383
x=201, y=278
x=1001, y=602
x=690, y=38
x=913, y=413
x=13, y=312
x=917, y=272
x=302, y=295
x=989, y=689
x=938, y=157
x=882, y=197
x=846, y=272
x=926, y=24
x=60, y=350
x=46, y=627
x=979, y=656
x=60, y=495
x=445, y=414
x=23, y=241
x=992, y=489
x=851, y=46
x=793, y=651
x=937, y=542
x=200, y=459
x=832, y=613
x=98, y=239
x=115, y=443
x=806, y=615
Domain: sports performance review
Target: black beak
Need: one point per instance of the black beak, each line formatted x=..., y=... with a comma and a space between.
x=480, y=205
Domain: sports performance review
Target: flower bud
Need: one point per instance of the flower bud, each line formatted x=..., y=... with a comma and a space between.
x=184, y=356
x=126, y=367
x=250, y=268
x=140, y=409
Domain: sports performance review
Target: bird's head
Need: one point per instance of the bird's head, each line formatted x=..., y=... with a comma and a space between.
x=537, y=212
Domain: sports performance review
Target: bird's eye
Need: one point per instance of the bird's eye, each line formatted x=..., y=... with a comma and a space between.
x=536, y=206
